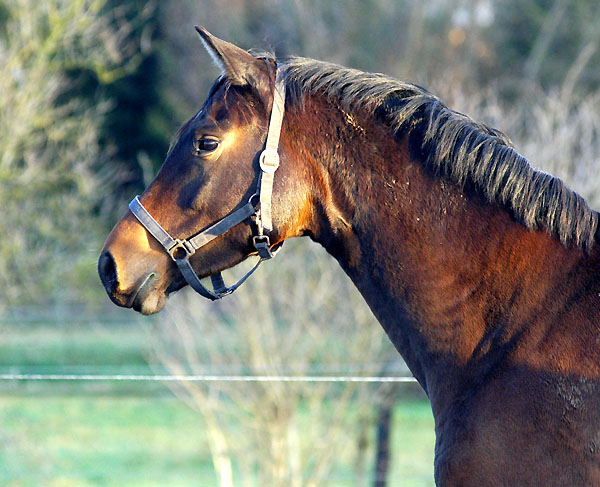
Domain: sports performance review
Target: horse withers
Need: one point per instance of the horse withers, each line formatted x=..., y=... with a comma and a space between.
x=484, y=272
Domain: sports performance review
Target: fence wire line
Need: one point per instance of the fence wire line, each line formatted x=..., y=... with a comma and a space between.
x=202, y=378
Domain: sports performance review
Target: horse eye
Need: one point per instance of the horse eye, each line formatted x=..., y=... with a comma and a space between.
x=205, y=145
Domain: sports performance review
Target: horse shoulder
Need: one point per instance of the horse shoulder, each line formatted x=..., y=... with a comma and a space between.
x=521, y=427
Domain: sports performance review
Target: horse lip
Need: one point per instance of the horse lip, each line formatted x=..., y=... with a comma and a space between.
x=142, y=292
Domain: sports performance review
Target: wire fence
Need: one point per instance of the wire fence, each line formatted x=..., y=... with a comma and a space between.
x=73, y=376
x=202, y=378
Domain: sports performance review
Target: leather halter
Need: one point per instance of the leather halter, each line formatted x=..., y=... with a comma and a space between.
x=258, y=209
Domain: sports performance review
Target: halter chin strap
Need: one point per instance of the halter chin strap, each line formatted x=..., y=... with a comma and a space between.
x=181, y=250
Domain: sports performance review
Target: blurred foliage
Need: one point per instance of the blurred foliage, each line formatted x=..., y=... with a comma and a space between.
x=474, y=43
x=544, y=41
x=49, y=143
x=137, y=127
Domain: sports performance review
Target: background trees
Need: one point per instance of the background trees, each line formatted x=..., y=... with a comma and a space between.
x=289, y=321
x=53, y=168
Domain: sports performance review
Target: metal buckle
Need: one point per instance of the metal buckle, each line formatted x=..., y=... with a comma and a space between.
x=179, y=247
x=269, y=160
x=254, y=200
x=261, y=244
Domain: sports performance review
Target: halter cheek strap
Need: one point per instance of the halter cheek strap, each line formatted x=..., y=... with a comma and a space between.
x=180, y=250
x=269, y=158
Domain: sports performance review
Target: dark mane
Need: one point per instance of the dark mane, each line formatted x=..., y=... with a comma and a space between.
x=455, y=147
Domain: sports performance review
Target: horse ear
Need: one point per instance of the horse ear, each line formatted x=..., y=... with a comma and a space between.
x=238, y=65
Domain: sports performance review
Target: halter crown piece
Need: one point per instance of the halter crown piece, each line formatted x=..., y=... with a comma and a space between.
x=258, y=209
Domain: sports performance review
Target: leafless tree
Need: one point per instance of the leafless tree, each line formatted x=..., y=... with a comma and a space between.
x=298, y=316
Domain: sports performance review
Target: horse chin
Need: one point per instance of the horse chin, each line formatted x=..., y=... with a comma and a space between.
x=151, y=300
x=150, y=304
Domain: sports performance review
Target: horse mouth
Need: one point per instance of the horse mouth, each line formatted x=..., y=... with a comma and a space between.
x=147, y=299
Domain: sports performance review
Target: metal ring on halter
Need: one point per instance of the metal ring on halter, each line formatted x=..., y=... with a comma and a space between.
x=269, y=160
x=256, y=198
x=181, y=245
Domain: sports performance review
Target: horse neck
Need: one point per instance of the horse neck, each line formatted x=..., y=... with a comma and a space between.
x=457, y=284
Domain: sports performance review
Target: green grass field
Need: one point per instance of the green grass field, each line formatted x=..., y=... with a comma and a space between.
x=71, y=441
x=81, y=435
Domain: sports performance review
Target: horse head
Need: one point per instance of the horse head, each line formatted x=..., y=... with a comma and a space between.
x=213, y=169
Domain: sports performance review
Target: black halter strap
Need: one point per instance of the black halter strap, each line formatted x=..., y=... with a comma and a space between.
x=258, y=208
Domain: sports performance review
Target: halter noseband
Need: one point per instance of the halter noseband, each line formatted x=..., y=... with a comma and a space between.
x=258, y=209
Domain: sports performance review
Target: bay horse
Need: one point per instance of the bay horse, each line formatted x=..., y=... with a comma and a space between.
x=483, y=271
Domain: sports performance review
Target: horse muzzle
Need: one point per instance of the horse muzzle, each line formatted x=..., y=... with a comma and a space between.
x=133, y=269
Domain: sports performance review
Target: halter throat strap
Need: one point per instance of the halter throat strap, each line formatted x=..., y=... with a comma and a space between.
x=180, y=250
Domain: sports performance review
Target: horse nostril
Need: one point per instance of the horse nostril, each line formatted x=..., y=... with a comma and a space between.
x=107, y=271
